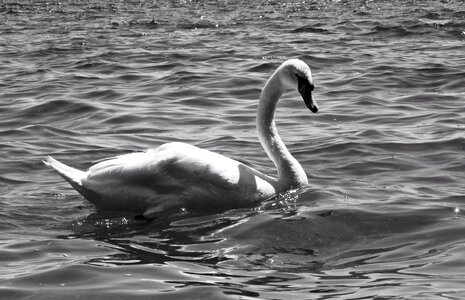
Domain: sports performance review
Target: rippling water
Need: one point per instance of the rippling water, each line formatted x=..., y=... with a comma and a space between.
x=383, y=216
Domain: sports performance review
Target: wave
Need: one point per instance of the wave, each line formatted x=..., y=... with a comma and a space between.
x=384, y=155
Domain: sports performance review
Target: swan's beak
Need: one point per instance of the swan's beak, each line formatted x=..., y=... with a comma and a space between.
x=305, y=89
x=310, y=102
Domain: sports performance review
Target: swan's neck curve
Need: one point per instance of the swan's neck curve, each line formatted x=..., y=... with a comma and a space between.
x=290, y=172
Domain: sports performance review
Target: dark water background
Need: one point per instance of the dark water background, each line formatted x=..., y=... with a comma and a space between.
x=384, y=215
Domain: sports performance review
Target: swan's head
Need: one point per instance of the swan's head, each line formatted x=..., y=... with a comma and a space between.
x=295, y=73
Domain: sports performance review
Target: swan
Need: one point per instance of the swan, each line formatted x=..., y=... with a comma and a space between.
x=177, y=175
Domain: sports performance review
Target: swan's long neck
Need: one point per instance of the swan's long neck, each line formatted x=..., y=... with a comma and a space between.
x=290, y=172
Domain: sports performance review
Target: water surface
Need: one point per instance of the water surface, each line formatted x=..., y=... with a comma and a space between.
x=383, y=215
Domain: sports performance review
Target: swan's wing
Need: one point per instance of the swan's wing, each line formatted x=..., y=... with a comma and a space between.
x=125, y=166
x=171, y=163
x=176, y=165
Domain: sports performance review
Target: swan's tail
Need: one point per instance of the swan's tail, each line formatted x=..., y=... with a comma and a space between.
x=72, y=175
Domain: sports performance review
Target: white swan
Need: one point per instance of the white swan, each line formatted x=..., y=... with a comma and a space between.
x=182, y=175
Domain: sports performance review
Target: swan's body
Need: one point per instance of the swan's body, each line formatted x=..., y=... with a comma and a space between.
x=182, y=175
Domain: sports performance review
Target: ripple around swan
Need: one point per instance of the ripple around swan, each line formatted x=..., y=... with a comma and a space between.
x=383, y=215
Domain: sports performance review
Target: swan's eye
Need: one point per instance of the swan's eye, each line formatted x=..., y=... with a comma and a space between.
x=303, y=81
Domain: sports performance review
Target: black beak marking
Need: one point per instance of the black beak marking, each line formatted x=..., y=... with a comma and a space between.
x=305, y=89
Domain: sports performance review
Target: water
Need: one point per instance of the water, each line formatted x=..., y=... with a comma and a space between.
x=384, y=214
